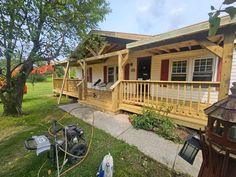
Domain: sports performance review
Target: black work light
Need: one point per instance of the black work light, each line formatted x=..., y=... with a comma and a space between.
x=190, y=148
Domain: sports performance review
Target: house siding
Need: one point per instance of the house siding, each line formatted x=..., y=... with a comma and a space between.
x=156, y=72
x=233, y=69
x=97, y=73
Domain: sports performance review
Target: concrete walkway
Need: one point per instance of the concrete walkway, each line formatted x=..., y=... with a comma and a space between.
x=149, y=143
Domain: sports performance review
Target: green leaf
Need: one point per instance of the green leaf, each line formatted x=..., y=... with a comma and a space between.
x=231, y=11
x=212, y=8
x=229, y=2
x=214, y=25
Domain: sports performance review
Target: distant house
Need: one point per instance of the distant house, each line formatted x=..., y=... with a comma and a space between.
x=183, y=69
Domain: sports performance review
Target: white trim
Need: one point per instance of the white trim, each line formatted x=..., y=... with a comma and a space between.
x=213, y=66
x=190, y=66
x=215, y=70
x=190, y=70
x=171, y=67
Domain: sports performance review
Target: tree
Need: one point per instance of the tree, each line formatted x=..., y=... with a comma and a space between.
x=214, y=19
x=41, y=30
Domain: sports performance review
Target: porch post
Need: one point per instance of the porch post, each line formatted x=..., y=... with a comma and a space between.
x=53, y=78
x=226, y=64
x=121, y=64
x=120, y=68
x=115, y=98
x=85, y=80
x=64, y=81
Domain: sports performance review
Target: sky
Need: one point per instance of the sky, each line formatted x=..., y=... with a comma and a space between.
x=155, y=16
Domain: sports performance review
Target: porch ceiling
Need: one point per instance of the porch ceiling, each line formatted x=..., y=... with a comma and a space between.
x=183, y=46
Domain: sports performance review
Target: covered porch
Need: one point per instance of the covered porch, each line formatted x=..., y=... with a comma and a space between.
x=187, y=90
x=101, y=99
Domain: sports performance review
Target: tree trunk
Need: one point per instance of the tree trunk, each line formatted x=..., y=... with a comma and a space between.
x=14, y=95
x=13, y=98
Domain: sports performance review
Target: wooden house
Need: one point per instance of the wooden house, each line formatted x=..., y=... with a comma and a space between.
x=184, y=69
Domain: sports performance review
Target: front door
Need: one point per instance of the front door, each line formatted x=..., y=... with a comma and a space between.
x=144, y=68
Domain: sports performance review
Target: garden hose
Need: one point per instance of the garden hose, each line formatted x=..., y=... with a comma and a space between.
x=41, y=168
x=65, y=151
x=64, y=159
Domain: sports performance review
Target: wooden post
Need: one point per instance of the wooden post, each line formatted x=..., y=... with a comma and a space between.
x=121, y=65
x=115, y=98
x=226, y=64
x=85, y=80
x=64, y=81
x=53, y=77
x=120, y=68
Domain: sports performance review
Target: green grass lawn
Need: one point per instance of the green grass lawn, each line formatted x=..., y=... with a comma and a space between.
x=40, y=108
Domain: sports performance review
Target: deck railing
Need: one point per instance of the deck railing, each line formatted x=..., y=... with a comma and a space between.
x=70, y=88
x=185, y=98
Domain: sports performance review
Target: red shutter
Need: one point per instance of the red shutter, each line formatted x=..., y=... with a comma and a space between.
x=90, y=75
x=105, y=74
x=219, y=68
x=164, y=70
x=127, y=72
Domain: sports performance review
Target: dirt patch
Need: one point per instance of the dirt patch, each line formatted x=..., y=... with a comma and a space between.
x=183, y=132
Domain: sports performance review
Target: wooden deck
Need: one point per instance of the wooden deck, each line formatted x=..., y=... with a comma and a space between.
x=70, y=88
x=187, y=100
x=99, y=99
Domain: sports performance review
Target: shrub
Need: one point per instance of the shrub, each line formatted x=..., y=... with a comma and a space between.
x=37, y=78
x=156, y=121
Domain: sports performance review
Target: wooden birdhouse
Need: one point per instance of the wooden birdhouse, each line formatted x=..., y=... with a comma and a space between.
x=218, y=142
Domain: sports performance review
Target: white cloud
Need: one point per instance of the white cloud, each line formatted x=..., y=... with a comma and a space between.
x=177, y=10
x=151, y=13
x=156, y=16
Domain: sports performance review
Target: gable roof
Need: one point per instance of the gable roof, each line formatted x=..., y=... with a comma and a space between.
x=121, y=35
x=185, y=31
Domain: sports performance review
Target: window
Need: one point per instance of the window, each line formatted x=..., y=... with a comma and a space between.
x=179, y=71
x=111, y=74
x=203, y=69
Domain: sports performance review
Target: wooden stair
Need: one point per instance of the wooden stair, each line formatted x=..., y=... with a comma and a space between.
x=99, y=104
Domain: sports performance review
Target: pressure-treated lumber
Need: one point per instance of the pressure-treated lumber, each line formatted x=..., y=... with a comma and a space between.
x=64, y=81
x=178, y=119
x=85, y=80
x=119, y=35
x=226, y=64
x=125, y=59
x=81, y=64
x=102, y=48
x=175, y=46
x=185, y=54
x=91, y=51
x=204, y=26
x=120, y=68
x=212, y=47
x=112, y=54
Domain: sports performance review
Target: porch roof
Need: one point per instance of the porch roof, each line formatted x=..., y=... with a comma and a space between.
x=196, y=31
x=64, y=63
x=121, y=35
